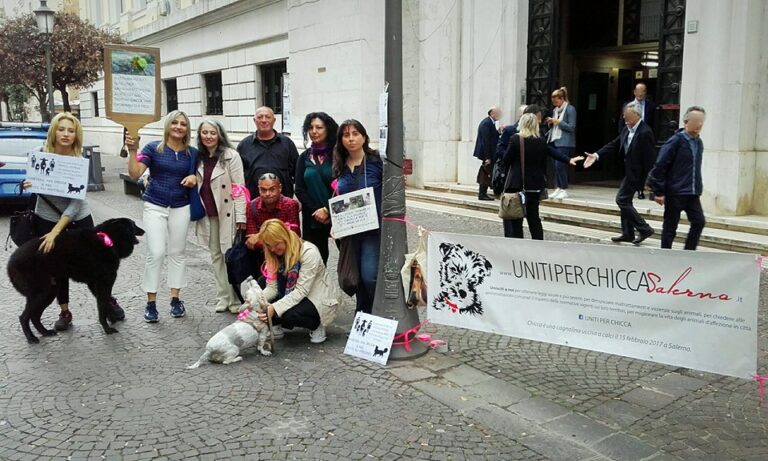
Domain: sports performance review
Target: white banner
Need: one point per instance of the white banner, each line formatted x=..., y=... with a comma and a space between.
x=371, y=338
x=683, y=308
x=353, y=213
x=59, y=175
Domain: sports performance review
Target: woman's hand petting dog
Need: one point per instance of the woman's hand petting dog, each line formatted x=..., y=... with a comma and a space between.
x=47, y=241
x=270, y=312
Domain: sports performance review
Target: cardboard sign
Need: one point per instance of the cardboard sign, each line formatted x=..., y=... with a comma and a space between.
x=371, y=338
x=60, y=175
x=353, y=213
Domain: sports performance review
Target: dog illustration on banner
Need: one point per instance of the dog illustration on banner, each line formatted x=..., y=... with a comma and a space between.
x=362, y=326
x=461, y=272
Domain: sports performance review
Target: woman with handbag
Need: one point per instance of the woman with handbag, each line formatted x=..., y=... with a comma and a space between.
x=166, y=208
x=526, y=164
x=220, y=182
x=54, y=215
x=299, y=288
x=356, y=166
x=314, y=174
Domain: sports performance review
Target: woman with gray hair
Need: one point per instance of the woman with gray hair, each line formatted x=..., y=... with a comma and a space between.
x=221, y=183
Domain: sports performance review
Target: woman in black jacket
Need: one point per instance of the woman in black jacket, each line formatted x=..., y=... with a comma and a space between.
x=536, y=150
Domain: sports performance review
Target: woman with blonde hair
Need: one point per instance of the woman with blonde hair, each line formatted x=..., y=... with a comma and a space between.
x=166, y=208
x=299, y=289
x=54, y=215
x=535, y=155
x=562, y=136
x=222, y=190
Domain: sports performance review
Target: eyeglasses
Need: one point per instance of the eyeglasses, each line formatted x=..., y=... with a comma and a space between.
x=268, y=177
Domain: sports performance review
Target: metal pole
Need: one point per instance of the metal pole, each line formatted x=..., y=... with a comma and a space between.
x=49, y=75
x=389, y=300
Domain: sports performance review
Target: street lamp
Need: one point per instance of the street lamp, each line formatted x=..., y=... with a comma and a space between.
x=44, y=16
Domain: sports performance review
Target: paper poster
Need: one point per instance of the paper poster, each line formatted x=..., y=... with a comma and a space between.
x=371, y=338
x=383, y=122
x=59, y=175
x=353, y=213
x=133, y=82
x=286, y=103
x=682, y=308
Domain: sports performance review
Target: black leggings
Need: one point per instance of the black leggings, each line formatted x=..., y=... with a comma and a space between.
x=318, y=236
x=42, y=227
x=302, y=315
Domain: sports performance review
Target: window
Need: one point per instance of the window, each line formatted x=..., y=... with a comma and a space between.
x=139, y=5
x=171, y=95
x=95, y=99
x=213, y=99
x=272, y=85
x=96, y=15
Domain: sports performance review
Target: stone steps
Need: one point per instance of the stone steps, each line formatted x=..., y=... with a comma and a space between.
x=591, y=222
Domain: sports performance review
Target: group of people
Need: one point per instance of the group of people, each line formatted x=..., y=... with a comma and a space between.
x=247, y=189
x=673, y=176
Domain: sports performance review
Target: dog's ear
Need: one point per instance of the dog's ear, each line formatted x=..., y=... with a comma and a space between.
x=138, y=230
x=445, y=248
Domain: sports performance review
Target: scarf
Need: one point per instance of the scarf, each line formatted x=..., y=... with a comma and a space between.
x=286, y=282
x=556, y=132
x=319, y=153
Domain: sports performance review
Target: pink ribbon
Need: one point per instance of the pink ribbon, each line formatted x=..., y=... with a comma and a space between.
x=105, y=239
x=760, y=259
x=244, y=314
x=240, y=190
x=335, y=185
x=761, y=380
x=139, y=156
x=403, y=340
x=406, y=221
x=266, y=273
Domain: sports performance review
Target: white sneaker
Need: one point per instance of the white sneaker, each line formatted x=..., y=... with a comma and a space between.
x=221, y=306
x=317, y=335
x=563, y=194
x=278, y=332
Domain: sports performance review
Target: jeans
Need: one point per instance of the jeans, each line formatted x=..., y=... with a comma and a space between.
x=166, y=235
x=630, y=218
x=513, y=228
x=42, y=227
x=561, y=168
x=672, y=207
x=368, y=263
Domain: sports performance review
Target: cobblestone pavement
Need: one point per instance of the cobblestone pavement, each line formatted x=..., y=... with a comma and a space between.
x=86, y=395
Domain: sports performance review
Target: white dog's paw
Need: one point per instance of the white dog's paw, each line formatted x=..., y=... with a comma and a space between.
x=265, y=353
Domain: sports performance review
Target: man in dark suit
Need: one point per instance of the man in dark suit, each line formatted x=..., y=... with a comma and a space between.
x=636, y=143
x=485, y=147
x=648, y=108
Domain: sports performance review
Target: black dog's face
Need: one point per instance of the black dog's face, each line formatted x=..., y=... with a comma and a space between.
x=123, y=232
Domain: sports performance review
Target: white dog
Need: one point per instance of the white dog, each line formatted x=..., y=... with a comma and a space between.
x=225, y=346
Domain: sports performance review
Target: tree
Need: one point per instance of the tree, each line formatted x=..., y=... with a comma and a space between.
x=77, y=50
x=16, y=97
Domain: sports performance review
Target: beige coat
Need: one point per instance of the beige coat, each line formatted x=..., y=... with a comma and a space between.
x=314, y=282
x=231, y=210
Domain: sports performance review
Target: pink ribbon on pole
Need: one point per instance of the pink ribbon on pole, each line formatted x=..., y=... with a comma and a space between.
x=240, y=190
x=761, y=380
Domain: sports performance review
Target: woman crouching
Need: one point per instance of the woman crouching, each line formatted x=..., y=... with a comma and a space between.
x=299, y=288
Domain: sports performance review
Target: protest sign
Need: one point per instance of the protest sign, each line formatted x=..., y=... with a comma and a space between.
x=60, y=175
x=682, y=308
x=353, y=213
x=371, y=338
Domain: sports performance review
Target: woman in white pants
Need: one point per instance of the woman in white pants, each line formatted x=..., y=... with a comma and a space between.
x=221, y=184
x=166, y=208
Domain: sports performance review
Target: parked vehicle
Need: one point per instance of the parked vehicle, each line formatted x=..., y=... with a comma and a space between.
x=16, y=141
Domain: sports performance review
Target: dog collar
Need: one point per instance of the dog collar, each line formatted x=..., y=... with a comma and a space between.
x=454, y=307
x=105, y=239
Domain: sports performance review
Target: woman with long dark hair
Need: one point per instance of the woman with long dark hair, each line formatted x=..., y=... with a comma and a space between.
x=314, y=174
x=221, y=183
x=357, y=166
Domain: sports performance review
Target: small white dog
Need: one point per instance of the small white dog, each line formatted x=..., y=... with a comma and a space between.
x=225, y=346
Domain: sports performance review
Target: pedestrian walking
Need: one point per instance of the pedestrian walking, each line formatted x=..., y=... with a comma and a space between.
x=562, y=136
x=299, y=289
x=54, y=215
x=529, y=177
x=647, y=107
x=485, y=148
x=267, y=151
x=221, y=184
x=676, y=179
x=637, y=146
x=166, y=209
x=314, y=175
x=356, y=166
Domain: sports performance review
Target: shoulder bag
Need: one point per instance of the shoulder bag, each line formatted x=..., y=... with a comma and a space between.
x=513, y=203
x=196, y=209
x=22, y=227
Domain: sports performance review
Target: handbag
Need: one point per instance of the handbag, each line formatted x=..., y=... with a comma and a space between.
x=196, y=209
x=22, y=227
x=498, y=177
x=484, y=175
x=349, y=273
x=513, y=203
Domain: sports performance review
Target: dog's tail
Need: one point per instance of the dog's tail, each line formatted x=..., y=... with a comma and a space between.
x=203, y=359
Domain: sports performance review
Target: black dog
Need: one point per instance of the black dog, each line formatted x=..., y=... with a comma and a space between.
x=379, y=352
x=83, y=255
x=77, y=189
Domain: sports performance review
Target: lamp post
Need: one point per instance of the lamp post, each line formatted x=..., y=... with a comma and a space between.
x=44, y=16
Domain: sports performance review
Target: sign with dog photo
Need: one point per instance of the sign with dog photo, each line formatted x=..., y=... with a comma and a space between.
x=371, y=338
x=682, y=308
x=60, y=175
x=353, y=213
